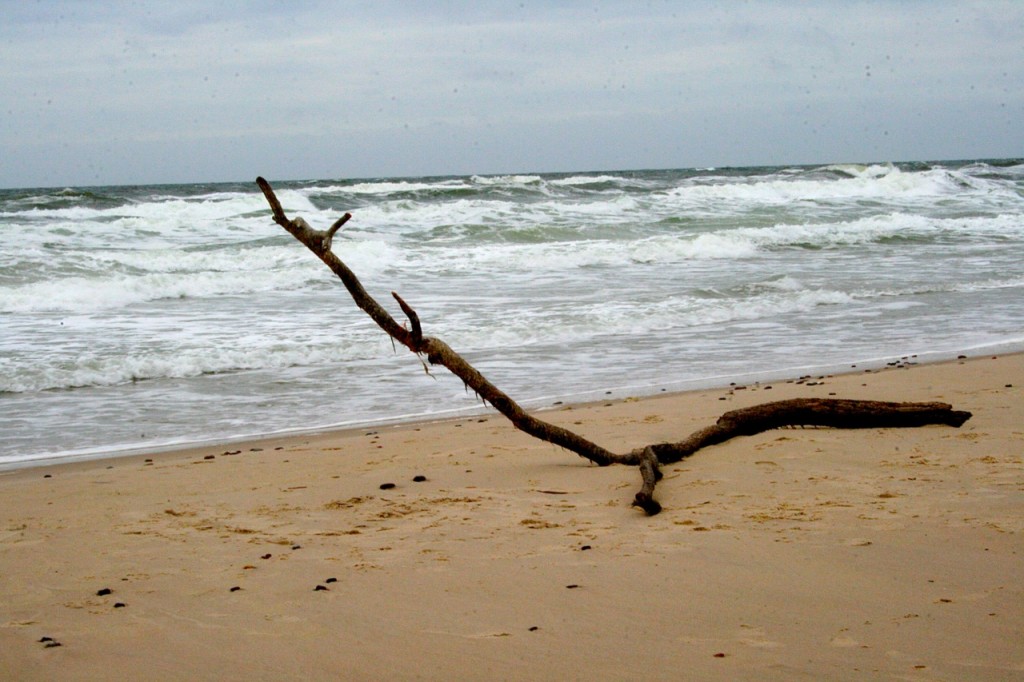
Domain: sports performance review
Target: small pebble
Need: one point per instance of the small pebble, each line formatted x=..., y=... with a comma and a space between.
x=210, y=457
x=584, y=548
x=534, y=628
x=719, y=655
x=266, y=556
x=296, y=546
x=571, y=587
x=419, y=479
x=52, y=643
x=331, y=580
x=387, y=486
x=104, y=592
x=320, y=588
x=119, y=605
x=47, y=476
x=236, y=588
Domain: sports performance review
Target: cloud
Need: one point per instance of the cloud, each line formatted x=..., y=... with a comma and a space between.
x=197, y=91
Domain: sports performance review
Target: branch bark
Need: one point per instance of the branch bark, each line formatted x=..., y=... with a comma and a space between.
x=836, y=413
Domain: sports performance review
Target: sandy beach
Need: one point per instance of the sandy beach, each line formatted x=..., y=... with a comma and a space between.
x=794, y=554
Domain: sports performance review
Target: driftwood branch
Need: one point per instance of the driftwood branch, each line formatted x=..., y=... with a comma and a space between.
x=836, y=413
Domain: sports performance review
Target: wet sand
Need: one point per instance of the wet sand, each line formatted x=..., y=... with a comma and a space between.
x=794, y=554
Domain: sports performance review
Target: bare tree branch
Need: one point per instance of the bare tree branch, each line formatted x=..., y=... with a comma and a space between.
x=836, y=413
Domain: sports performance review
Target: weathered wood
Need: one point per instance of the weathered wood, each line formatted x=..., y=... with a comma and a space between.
x=837, y=413
x=832, y=412
x=829, y=412
x=436, y=351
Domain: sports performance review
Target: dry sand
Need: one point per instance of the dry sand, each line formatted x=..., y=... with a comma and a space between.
x=795, y=554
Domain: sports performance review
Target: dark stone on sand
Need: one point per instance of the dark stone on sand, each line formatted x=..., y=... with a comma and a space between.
x=266, y=556
x=320, y=588
x=961, y=357
x=387, y=486
x=52, y=643
x=120, y=605
x=236, y=588
x=210, y=457
x=571, y=587
x=331, y=580
x=534, y=628
x=584, y=548
x=1009, y=386
x=419, y=479
x=44, y=640
x=47, y=476
x=296, y=546
x=104, y=592
x=255, y=449
x=719, y=655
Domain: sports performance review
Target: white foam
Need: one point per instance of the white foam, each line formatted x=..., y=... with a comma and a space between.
x=584, y=180
x=873, y=182
x=507, y=180
x=112, y=370
x=124, y=278
x=386, y=187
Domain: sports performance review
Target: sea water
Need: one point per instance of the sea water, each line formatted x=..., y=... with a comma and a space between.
x=142, y=317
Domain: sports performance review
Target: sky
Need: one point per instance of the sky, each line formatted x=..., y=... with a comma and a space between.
x=105, y=93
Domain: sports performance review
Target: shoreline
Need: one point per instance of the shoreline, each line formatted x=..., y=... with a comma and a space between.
x=538, y=405
x=464, y=549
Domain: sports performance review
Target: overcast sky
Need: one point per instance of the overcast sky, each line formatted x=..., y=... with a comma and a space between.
x=156, y=92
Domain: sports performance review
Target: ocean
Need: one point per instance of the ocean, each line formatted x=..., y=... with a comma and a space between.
x=146, y=317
